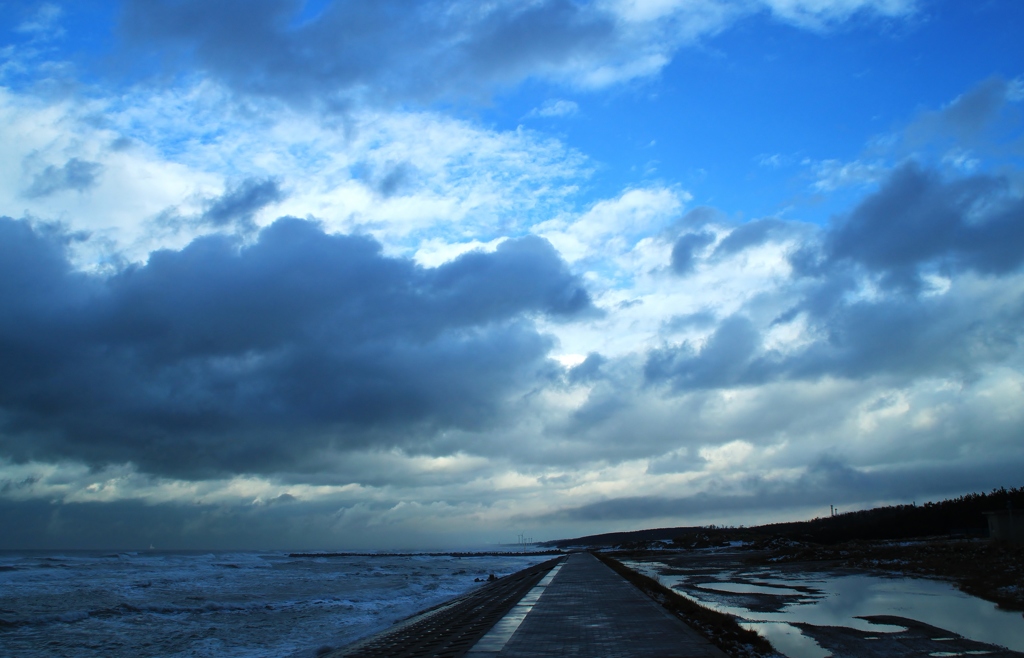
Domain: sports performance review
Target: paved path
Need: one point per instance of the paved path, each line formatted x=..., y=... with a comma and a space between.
x=586, y=609
x=450, y=629
x=577, y=607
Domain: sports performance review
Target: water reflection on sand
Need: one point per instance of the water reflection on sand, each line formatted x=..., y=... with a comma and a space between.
x=775, y=601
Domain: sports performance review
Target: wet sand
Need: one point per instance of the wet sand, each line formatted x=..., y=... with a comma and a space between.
x=992, y=571
x=760, y=582
x=918, y=639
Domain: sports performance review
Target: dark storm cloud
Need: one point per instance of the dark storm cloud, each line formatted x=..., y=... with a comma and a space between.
x=918, y=223
x=974, y=111
x=909, y=338
x=751, y=234
x=827, y=481
x=588, y=370
x=700, y=217
x=918, y=219
x=683, y=252
x=374, y=51
x=905, y=338
x=977, y=119
x=727, y=358
x=75, y=174
x=219, y=358
x=240, y=203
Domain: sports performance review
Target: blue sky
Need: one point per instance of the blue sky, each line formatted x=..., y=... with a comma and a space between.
x=341, y=275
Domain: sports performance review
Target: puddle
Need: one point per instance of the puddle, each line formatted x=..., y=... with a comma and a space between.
x=789, y=640
x=776, y=604
x=745, y=588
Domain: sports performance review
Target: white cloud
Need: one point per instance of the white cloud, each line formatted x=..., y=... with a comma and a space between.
x=134, y=185
x=727, y=456
x=434, y=252
x=44, y=22
x=612, y=227
x=821, y=13
x=832, y=175
x=555, y=108
x=403, y=177
x=641, y=295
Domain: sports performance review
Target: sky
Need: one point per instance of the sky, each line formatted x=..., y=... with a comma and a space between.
x=328, y=274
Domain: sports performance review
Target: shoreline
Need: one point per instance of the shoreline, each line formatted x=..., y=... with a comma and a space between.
x=766, y=570
x=992, y=571
x=551, y=552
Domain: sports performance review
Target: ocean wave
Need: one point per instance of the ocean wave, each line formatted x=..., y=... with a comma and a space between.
x=200, y=604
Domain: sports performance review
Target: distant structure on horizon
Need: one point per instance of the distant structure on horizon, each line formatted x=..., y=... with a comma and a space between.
x=1006, y=525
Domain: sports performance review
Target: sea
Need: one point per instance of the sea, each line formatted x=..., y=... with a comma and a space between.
x=223, y=604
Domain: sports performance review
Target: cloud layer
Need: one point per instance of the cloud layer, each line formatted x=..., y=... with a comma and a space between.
x=223, y=357
x=350, y=52
x=302, y=272
x=867, y=291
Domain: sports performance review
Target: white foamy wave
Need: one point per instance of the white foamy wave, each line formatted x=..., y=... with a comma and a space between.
x=219, y=604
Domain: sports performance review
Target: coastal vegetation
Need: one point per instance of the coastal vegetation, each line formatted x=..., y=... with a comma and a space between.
x=961, y=516
x=964, y=516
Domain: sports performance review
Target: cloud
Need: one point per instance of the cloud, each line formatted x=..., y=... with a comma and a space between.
x=677, y=461
x=75, y=174
x=833, y=175
x=44, y=22
x=352, y=52
x=917, y=218
x=818, y=14
x=751, y=234
x=613, y=227
x=588, y=369
x=371, y=52
x=554, y=108
x=699, y=320
x=136, y=524
x=396, y=179
x=401, y=176
x=973, y=119
x=725, y=359
x=239, y=204
x=977, y=131
x=773, y=161
x=221, y=358
x=448, y=367
x=282, y=499
x=825, y=481
x=884, y=289
x=684, y=251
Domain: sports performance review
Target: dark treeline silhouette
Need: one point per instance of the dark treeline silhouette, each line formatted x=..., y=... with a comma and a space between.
x=626, y=536
x=963, y=515
x=956, y=516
